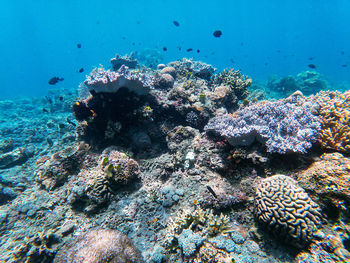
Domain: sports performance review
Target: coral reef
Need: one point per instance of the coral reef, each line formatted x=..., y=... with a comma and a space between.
x=234, y=80
x=329, y=179
x=101, y=80
x=100, y=245
x=286, y=210
x=330, y=249
x=126, y=60
x=282, y=127
x=334, y=113
x=308, y=82
x=54, y=171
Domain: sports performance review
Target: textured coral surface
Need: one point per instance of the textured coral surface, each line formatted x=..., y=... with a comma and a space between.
x=334, y=113
x=286, y=210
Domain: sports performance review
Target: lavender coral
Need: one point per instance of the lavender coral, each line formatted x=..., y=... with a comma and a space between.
x=283, y=127
x=101, y=80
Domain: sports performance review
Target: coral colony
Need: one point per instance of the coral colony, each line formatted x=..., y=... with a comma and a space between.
x=177, y=163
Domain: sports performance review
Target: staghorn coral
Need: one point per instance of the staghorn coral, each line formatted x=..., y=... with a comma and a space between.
x=99, y=245
x=334, y=113
x=286, y=210
x=328, y=177
x=234, y=80
x=283, y=127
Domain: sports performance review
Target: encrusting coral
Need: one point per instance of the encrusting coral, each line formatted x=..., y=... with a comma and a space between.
x=334, y=113
x=286, y=210
x=328, y=178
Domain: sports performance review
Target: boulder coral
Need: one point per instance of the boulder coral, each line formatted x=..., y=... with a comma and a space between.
x=286, y=210
x=100, y=245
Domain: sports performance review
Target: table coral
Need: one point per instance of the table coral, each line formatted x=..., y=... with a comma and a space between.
x=286, y=210
x=328, y=177
x=283, y=127
x=334, y=113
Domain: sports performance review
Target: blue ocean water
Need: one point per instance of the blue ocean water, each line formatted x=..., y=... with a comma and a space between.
x=39, y=38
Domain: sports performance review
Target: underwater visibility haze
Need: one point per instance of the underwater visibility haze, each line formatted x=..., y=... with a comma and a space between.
x=175, y=131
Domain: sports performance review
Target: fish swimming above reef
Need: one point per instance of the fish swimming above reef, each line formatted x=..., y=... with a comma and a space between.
x=78, y=45
x=217, y=33
x=189, y=49
x=176, y=23
x=311, y=66
x=165, y=49
x=81, y=70
x=54, y=80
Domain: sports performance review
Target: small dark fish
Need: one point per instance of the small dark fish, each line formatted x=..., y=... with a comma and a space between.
x=176, y=23
x=123, y=38
x=212, y=191
x=232, y=61
x=81, y=70
x=311, y=58
x=70, y=122
x=133, y=43
x=217, y=33
x=78, y=45
x=60, y=98
x=165, y=49
x=49, y=100
x=179, y=48
x=198, y=51
x=54, y=80
x=189, y=49
x=344, y=65
x=311, y=66
x=342, y=52
x=45, y=110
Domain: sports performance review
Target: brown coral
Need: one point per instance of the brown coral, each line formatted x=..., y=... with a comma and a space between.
x=99, y=245
x=328, y=177
x=334, y=112
x=286, y=210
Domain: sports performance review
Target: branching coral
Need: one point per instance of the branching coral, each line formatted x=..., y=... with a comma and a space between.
x=334, y=113
x=234, y=80
x=202, y=223
x=286, y=210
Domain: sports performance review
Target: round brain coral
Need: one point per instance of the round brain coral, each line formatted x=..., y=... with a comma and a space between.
x=99, y=246
x=286, y=210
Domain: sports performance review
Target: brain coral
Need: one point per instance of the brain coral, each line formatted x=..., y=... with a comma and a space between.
x=286, y=210
x=99, y=245
x=334, y=113
x=328, y=177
